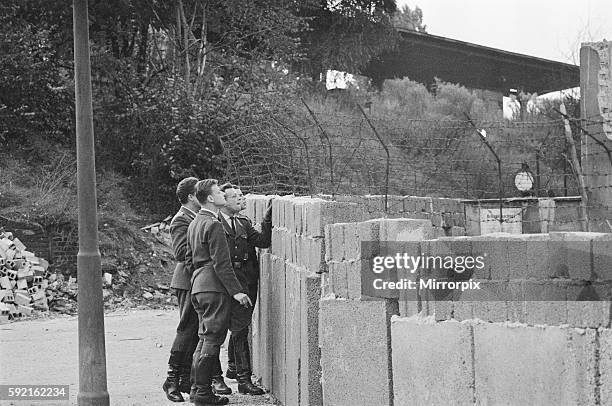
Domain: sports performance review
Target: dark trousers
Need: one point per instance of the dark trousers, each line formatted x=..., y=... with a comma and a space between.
x=186, y=339
x=238, y=353
x=213, y=310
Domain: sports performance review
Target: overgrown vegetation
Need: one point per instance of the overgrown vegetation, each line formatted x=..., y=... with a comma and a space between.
x=177, y=82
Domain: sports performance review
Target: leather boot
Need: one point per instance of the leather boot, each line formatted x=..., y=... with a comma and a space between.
x=202, y=393
x=171, y=384
x=185, y=379
x=231, y=371
x=231, y=360
x=246, y=386
x=219, y=386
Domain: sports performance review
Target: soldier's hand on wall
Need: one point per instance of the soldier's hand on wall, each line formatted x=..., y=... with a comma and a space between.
x=243, y=299
x=268, y=216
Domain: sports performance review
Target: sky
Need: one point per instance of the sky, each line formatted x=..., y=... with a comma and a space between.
x=542, y=28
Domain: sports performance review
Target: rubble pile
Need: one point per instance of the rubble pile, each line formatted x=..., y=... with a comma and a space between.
x=135, y=272
x=24, y=279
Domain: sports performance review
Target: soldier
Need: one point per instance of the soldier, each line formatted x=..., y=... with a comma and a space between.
x=242, y=238
x=213, y=285
x=186, y=340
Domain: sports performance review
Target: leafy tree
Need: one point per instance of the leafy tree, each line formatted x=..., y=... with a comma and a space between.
x=35, y=92
x=345, y=35
x=407, y=19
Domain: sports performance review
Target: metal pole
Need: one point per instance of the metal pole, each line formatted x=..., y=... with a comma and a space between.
x=92, y=352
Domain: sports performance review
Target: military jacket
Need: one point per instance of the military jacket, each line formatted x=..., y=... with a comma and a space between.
x=181, y=279
x=242, y=245
x=209, y=257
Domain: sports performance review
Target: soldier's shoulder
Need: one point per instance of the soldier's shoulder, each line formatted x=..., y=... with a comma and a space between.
x=243, y=217
x=179, y=216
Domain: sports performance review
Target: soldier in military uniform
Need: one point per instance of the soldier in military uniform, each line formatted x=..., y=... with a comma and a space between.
x=214, y=289
x=186, y=340
x=242, y=238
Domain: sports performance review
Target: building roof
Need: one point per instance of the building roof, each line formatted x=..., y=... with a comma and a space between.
x=423, y=57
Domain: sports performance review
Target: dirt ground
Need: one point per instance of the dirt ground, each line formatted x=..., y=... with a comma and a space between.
x=138, y=342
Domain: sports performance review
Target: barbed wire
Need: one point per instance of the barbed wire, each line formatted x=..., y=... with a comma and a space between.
x=309, y=152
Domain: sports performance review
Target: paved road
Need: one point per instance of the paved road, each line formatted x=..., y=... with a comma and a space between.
x=137, y=347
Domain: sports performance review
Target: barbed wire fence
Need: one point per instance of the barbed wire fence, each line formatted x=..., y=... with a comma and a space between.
x=307, y=152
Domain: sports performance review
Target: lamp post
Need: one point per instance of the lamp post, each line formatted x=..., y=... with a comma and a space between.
x=92, y=352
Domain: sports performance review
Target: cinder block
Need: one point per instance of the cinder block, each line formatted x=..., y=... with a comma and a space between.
x=298, y=215
x=503, y=258
x=602, y=257
x=570, y=256
x=545, y=302
x=287, y=237
x=278, y=213
x=369, y=236
x=18, y=244
x=405, y=230
x=605, y=366
x=319, y=213
x=432, y=362
x=338, y=278
x=289, y=214
x=352, y=241
x=21, y=299
x=542, y=366
x=44, y=263
x=442, y=309
x=39, y=294
x=5, y=282
x=8, y=297
x=310, y=354
x=277, y=328
x=263, y=366
x=22, y=284
x=316, y=254
x=9, y=255
x=277, y=246
x=459, y=219
x=350, y=375
x=41, y=304
x=436, y=220
x=489, y=303
x=538, y=256
x=38, y=270
x=334, y=242
x=25, y=310
x=293, y=301
x=422, y=204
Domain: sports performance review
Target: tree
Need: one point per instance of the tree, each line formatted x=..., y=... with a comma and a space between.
x=35, y=92
x=346, y=34
x=407, y=19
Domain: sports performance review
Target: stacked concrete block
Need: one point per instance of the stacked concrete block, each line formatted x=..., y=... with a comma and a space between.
x=311, y=392
x=432, y=362
x=531, y=278
x=551, y=365
x=24, y=279
x=277, y=328
x=605, y=366
x=355, y=354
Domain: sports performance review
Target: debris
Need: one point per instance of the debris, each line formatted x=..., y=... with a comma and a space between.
x=108, y=279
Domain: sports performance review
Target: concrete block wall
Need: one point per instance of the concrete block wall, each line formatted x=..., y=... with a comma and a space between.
x=557, y=278
x=319, y=340
x=294, y=271
x=498, y=363
x=286, y=353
